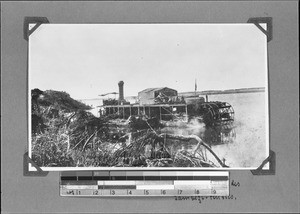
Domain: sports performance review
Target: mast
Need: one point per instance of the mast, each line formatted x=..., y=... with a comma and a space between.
x=195, y=87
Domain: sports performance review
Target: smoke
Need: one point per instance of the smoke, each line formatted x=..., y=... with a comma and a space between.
x=181, y=127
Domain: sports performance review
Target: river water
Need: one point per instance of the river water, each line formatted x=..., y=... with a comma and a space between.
x=245, y=143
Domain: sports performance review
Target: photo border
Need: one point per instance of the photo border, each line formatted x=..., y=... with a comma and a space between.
x=263, y=169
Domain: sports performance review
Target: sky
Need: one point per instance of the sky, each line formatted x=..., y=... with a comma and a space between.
x=86, y=60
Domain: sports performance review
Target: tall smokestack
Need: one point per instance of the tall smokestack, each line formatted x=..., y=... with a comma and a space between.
x=121, y=91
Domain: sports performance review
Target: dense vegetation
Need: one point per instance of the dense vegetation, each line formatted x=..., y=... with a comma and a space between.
x=66, y=134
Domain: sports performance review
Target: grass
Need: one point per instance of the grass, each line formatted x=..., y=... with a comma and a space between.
x=75, y=138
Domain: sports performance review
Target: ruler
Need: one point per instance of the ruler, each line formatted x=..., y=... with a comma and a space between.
x=144, y=183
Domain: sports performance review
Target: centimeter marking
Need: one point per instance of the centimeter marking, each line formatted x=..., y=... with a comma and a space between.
x=201, y=185
x=145, y=192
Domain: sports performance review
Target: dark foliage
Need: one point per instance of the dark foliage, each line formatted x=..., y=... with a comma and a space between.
x=61, y=100
x=140, y=123
x=109, y=102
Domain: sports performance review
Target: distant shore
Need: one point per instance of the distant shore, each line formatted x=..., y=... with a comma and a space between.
x=193, y=93
x=228, y=91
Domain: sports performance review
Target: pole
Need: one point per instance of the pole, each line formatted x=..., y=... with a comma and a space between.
x=186, y=112
x=160, y=112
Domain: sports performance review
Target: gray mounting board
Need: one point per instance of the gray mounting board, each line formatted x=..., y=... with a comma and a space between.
x=250, y=193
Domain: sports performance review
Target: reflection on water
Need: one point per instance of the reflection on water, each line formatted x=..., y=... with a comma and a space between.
x=219, y=135
x=210, y=135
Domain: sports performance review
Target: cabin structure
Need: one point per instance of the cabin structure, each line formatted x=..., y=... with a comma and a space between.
x=149, y=95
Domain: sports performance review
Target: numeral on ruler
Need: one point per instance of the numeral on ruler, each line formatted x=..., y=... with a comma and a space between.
x=70, y=192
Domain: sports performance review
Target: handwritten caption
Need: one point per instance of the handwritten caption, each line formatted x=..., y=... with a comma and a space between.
x=200, y=199
x=235, y=183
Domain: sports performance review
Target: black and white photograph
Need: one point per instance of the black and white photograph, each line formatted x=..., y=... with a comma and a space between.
x=148, y=96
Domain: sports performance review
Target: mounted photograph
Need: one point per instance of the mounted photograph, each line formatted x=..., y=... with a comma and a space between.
x=148, y=96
